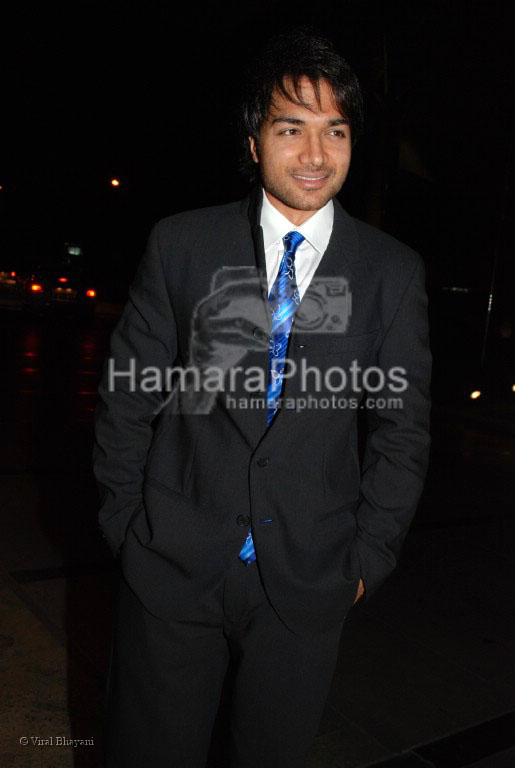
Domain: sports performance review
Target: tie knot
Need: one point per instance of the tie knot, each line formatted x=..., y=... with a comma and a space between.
x=292, y=241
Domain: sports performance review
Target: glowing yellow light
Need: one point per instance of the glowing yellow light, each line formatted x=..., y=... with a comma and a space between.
x=513, y=387
x=115, y=183
x=475, y=394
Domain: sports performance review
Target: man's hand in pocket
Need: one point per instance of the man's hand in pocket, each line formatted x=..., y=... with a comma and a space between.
x=361, y=590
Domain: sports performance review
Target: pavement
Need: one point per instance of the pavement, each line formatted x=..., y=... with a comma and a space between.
x=426, y=673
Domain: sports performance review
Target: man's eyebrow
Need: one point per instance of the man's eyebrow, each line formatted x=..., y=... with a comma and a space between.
x=298, y=121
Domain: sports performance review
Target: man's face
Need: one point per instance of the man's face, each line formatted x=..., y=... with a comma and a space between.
x=304, y=154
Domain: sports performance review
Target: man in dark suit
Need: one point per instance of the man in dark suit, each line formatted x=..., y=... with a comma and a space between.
x=246, y=522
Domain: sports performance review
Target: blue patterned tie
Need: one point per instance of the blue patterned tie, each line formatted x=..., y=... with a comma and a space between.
x=284, y=299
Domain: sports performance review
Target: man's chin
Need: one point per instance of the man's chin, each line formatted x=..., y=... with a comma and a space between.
x=309, y=200
x=301, y=199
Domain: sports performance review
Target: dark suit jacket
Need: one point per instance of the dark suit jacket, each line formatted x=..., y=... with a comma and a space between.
x=178, y=489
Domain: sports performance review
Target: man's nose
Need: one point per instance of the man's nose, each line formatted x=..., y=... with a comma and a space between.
x=312, y=152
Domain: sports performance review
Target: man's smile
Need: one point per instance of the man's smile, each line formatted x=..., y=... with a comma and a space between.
x=307, y=181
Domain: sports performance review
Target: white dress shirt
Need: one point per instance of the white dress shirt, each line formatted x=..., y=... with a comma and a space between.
x=316, y=230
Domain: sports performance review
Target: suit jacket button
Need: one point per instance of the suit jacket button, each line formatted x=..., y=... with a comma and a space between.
x=263, y=461
x=243, y=520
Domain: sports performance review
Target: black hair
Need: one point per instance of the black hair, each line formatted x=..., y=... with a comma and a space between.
x=294, y=54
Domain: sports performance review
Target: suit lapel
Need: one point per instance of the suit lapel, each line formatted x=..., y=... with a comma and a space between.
x=254, y=204
x=251, y=421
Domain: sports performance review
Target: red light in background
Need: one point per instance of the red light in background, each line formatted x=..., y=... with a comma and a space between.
x=63, y=279
x=13, y=274
x=91, y=293
x=36, y=288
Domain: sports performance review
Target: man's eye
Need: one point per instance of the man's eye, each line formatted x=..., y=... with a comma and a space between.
x=339, y=133
x=288, y=131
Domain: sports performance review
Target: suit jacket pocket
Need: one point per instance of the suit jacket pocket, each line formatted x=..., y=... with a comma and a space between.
x=334, y=343
x=163, y=488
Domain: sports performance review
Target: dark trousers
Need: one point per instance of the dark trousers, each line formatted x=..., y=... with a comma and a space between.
x=165, y=681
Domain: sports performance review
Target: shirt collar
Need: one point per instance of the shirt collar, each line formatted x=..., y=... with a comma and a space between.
x=317, y=229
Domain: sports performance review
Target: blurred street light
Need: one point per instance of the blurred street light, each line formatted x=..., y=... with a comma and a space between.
x=115, y=182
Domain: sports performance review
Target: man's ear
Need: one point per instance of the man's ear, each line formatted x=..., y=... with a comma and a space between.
x=253, y=149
